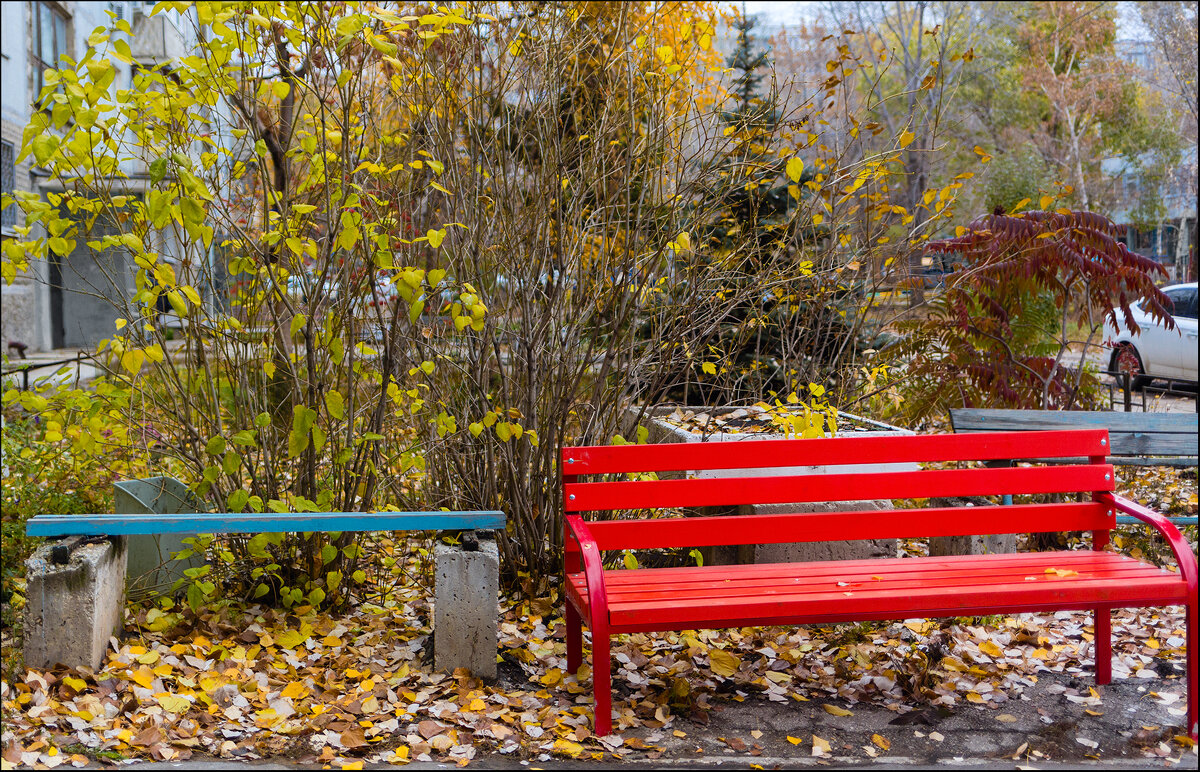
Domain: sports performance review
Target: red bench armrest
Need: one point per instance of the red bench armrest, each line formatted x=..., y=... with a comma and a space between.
x=593, y=570
x=1179, y=545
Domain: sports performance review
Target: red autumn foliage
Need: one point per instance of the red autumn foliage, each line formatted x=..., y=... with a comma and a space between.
x=1032, y=295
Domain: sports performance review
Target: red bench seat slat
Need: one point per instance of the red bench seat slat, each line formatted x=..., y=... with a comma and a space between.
x=912, y=587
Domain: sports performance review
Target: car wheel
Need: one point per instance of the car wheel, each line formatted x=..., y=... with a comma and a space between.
x=1126, y=359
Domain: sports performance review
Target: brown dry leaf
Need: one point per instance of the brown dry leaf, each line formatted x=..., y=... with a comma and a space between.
x=354, y=737
x=429, y=729
x=1006, y=718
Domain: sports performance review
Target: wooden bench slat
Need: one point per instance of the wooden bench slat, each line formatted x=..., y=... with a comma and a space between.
x=269, y=522
x=828, y=451
x=838, y=526
x=659, y=494
x=1005, y=419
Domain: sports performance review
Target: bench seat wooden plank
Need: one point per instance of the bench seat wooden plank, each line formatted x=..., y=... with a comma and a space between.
x=269, y=522
x=658, y=494
x=1172, y=435
x=735, y=595
x=1008, y=419
x=836, y=526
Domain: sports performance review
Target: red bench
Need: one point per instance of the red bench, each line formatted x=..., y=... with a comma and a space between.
x=650, y=599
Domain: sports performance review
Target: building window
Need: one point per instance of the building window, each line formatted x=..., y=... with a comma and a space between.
x=49, y=42
x=8, y=177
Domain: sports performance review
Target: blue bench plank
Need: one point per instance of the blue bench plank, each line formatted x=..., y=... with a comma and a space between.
x=270, y=522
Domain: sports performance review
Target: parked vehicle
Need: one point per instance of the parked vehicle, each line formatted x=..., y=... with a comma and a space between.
x=1157, y=352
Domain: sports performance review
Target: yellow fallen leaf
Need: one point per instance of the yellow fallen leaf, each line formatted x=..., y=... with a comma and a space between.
x=1152, y=643
x=477, y=705
x=291, y=639
x=1184, y=740
x=1091, y=712
x=991, y=649
x=78, y=684
x=794, y=740
x=975, y=697
x=400, y=754
x=149, y=658
x=1006, y=718
x=553, y=677
x=370, y=704
x=881, y=741
x=834, y=710
x=331, y=640
x=173, y=703
x=568, y=748
x=352, y=765
x=820, y=747
x=723, y=663
x=294, y=690
x=144, y=677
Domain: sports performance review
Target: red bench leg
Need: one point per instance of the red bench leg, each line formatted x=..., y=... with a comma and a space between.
x=1102, y=645
x=602, y=680
x=574, y=639
x=1193, y=632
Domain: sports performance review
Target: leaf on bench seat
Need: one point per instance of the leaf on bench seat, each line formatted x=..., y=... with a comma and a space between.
x=1061, y=572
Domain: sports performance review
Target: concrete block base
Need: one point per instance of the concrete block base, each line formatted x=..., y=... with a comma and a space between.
x=941, y=546
x=73, y=609
x=466, y=608
x=801, y=552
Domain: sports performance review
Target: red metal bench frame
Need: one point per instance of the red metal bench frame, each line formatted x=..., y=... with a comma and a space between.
x=621, y=601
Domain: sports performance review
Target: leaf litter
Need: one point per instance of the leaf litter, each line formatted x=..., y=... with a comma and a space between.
x=253, y=683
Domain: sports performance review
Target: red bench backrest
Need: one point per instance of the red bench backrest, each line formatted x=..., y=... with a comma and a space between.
x=625, y=494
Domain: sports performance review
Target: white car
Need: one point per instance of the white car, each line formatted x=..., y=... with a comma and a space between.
x=1157, y=352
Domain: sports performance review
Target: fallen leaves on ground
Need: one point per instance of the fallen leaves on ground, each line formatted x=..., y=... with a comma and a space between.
x=252, y=683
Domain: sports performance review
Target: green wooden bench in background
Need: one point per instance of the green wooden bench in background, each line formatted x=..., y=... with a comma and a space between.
x=1138, y=439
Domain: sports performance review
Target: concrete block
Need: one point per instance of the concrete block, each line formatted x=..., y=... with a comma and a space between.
x=803, y=552
x=941, y=546
x=466, y=608
x=73, y=609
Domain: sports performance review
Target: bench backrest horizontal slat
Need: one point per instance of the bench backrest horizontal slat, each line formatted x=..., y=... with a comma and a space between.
x=725, y=491
x=839, y=526
x=268, y=522
x=1130, y=434
x=748, y=454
